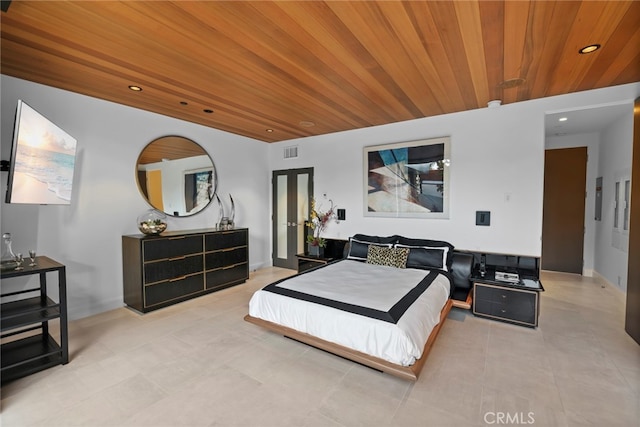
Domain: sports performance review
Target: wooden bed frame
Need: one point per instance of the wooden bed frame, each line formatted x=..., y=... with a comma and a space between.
x=405, y=372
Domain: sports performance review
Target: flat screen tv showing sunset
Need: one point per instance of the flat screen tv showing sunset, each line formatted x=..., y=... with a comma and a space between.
x=42, y=160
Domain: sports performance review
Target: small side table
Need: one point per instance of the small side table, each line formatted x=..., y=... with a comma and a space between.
x=307, y=262
x=27, y=311
x=517, y=303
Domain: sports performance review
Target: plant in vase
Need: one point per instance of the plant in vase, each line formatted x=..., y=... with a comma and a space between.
x=318, y=222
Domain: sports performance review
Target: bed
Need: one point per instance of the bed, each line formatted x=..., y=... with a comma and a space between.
x=381, y=306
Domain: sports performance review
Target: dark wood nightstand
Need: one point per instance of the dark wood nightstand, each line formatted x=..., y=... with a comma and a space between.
x=517, y=303
x=333, y=251
x=307, y=262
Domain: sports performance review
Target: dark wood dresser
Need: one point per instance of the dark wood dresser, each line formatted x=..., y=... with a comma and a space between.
x=175, y=266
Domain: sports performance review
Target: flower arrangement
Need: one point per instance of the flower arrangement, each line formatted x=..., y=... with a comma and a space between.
x=318, y=221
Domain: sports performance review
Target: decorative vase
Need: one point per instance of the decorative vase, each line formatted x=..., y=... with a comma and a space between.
x=221, y=217
x=315, y=250
x=232, y=216
x=152, y=222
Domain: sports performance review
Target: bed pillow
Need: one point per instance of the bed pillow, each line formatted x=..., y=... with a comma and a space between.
x=391, y=257
x=427, y=257
x=358, y=249
x=406, y=241
x=376, y=239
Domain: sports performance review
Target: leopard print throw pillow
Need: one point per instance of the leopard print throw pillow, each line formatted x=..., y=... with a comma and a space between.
x=391, y=257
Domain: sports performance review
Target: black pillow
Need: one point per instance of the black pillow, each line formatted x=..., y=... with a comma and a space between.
x=358, y=249
x=375, y=239
x=406, y=241
x=427, y=257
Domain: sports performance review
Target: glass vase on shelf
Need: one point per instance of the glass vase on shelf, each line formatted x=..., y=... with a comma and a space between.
x=8, y=261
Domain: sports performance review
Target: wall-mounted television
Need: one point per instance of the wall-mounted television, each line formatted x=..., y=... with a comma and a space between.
x=42, y=160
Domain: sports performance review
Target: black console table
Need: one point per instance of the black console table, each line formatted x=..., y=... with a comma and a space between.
x=24, y=351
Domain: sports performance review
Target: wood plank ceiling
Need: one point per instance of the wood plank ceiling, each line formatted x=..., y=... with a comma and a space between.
x=301, y=68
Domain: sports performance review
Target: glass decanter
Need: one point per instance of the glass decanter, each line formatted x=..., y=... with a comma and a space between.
x=8, y=261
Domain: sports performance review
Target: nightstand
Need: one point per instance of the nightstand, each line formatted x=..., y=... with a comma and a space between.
x=307, y=262
x=517, y=303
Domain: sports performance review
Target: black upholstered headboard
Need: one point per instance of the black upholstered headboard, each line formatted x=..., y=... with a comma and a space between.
x=460, y=264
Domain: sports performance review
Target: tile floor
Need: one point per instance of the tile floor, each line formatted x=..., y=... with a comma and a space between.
x=199, y=364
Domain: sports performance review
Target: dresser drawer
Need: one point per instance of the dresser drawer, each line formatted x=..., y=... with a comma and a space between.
x=173, y=289
x=486, y=293
x=173, y=268
x=225, y=239
x=225, y=257
x=171, y=247
x=524, y=313
x=224, y=276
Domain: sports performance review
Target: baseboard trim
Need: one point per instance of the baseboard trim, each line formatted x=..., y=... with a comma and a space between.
x=606, y=282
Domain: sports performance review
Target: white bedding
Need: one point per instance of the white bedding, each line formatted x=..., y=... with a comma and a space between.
x=368, y=285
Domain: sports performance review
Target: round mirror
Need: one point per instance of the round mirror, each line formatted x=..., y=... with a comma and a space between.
x=176, y=176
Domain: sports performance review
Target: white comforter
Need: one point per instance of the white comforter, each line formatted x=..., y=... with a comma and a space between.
x=374, y=286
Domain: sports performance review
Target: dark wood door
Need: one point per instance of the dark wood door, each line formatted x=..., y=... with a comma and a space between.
x=292, y=192
x=632, y=317
x=565, y=174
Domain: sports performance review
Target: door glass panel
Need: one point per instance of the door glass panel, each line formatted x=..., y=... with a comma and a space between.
x=616, y=202
x=627, y=203
x=282, y=216
x=302, y=209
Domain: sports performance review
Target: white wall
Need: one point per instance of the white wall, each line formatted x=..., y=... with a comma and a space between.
x=497, y=164
x=611, y=247
x=592, y=142
x=86, y=236
x=495, y=152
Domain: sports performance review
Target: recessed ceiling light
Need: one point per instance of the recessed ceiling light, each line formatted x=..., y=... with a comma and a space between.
x=589, y=49
x=184, y=103
x=562, y=119
x=135, y=88
x=269, y=130
x=208, y=111
x=307, y=123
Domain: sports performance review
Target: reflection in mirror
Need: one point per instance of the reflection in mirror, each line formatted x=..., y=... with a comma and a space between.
x=176, y=176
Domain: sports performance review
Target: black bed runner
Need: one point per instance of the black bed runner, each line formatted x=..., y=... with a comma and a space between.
x=391, y=316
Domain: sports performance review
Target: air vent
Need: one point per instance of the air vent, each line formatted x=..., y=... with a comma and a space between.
x=291, y=152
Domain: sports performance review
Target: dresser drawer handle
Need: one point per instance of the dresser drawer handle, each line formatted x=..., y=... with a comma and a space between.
x=504, y=296
x=503, y=310
x=178, y=258
x=176, y=279
x=177, y=238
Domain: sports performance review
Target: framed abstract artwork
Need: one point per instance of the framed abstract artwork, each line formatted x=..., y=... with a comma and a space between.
x=408, y=179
